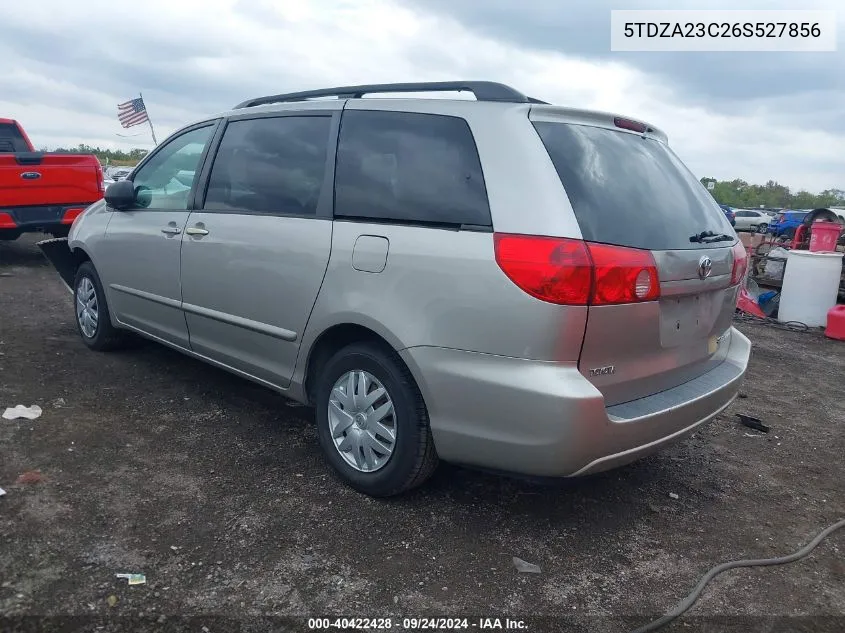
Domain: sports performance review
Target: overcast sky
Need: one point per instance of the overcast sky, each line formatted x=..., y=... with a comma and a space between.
x=757, y=116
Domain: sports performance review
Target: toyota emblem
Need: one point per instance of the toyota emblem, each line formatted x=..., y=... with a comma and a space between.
x=705, y=267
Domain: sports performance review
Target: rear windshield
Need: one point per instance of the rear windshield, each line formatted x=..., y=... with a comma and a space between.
x=11, y=139
x=630, y=190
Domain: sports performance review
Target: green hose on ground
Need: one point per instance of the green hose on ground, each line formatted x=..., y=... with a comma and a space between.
x=687, y=602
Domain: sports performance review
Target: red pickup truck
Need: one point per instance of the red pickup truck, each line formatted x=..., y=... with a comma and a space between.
x=40, y=191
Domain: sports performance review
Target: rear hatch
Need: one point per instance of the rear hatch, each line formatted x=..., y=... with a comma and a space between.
x=627, y=188
x=35, y=179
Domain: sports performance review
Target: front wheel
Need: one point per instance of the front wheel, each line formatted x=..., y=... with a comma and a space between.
x=92, y=312
x=762, y=228
x=372, y=422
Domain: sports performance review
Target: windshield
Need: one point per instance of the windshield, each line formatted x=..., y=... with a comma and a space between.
x=629, y=190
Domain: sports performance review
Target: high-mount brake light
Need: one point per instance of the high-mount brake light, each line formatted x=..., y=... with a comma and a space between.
x=630, y=124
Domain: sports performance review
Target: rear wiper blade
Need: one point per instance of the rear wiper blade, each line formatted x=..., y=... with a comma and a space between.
x=707, y=237
x=719, y=238
x=700, y=236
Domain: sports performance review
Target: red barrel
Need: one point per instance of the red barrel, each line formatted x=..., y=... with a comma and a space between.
x=836, y=323
x=823, y=236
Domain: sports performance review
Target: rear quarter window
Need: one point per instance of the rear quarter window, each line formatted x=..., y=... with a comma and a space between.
x=630, y=190
x=11, y=139
x=409, y=168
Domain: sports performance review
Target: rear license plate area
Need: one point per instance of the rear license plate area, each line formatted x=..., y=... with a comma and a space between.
x=36, y=215
x=685, y=320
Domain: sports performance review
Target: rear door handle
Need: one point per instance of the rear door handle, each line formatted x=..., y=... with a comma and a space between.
x=171, y=230
x=193, y=230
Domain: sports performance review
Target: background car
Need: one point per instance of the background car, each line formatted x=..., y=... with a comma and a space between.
x=729, y=213
x=785, y=224
x=752, y=220
x=42, y=191
x=118, y=173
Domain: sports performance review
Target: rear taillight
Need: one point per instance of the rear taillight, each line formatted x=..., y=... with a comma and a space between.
x=740, y=265
x=70, y=215
x=573, y=272
x=623, y=275
x=7, y=221
x=101, y=178
x=549, y=268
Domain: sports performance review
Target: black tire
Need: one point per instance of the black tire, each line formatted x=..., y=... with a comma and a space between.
x=414, y=458
x=762, y=228
x=106, y=337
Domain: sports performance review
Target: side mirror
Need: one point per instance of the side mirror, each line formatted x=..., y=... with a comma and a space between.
x=120, y=194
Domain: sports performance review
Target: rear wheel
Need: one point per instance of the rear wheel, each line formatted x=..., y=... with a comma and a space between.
x=93, y=319
x=372, y=422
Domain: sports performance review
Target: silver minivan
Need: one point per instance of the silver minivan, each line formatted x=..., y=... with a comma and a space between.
x=498, y=282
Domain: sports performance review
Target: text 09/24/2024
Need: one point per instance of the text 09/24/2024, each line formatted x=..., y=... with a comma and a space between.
x=417, y=624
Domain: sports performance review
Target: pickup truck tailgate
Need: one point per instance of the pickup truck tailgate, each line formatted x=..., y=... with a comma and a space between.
x=34, y=179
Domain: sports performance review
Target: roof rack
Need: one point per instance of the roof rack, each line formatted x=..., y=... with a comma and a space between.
x=483, y=91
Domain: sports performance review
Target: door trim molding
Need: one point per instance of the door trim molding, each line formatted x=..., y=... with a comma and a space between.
x=171, y=303
x=247, y=324
x=223, y=317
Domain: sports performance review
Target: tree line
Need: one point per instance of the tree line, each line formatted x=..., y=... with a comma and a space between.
x=106, y=156
x=740, y=194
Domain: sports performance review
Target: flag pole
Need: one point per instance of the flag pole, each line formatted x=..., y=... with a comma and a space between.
x=149, y=120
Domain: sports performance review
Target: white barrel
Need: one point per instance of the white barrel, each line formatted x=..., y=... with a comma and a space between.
x=810, y=286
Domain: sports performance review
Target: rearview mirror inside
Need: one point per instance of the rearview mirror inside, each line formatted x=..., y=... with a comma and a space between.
x=120, y=194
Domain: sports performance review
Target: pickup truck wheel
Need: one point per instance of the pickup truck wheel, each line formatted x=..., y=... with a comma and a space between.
x=93, y=319
x=372, y=422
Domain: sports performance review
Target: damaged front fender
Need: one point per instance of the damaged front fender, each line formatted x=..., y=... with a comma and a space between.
x=58, y=253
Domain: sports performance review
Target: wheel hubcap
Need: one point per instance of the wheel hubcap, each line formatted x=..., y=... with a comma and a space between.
x=362, y=421
x=87, y=309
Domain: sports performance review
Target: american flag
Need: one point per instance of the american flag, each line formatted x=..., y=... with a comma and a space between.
x=132, y=112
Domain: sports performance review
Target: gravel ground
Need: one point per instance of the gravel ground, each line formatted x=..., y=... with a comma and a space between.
x=215, y=489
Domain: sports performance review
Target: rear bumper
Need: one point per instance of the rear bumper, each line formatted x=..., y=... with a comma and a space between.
x=546, y=419
x=47, y=219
